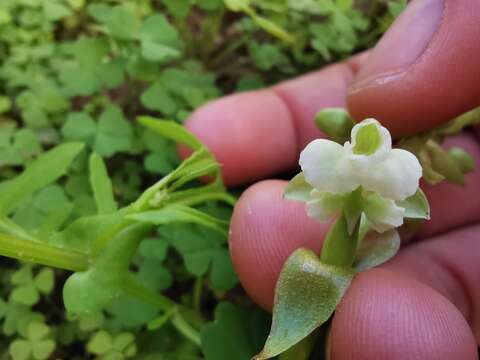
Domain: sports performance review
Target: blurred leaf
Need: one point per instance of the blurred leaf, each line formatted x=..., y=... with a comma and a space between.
x=44, y=170
x=236, y=333
x=101, y=185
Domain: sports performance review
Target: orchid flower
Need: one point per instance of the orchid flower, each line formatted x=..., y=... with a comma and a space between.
x=383, y=176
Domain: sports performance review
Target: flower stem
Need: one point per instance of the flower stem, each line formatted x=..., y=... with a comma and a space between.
x=339, y=246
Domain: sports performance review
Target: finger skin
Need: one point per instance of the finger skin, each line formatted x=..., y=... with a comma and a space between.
x=442, y=83
x=449, y=264
x=385, y=315
x=264, y=231
x=259, y=133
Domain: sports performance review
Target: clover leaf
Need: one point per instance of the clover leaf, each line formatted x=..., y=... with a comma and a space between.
x=106, y=346
x=37, y=345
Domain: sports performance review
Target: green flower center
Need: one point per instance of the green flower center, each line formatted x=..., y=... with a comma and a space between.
x=368, y=140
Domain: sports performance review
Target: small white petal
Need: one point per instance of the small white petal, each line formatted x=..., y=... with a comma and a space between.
x=397, y=177
x=324, y=206
x=327, y=168
x=383, y=214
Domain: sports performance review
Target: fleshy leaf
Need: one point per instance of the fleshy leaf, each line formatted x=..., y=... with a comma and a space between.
x=376, y=248
x=298, y=189
x=416, y=206
x=306, y=295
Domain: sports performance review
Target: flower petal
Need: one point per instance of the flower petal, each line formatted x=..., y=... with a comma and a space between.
x=383, y=214
x=324, y=206
x=327, y=168
x=397, y=177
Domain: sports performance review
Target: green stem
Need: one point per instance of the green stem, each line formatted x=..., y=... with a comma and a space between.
x=339, y=247
x=197, y=293
x=163, y=303
x=42, y=253
x=186, y=329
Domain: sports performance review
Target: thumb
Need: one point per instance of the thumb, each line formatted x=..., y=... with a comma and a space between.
x=425, y=70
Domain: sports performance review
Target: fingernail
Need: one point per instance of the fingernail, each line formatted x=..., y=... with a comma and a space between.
x=403, y=43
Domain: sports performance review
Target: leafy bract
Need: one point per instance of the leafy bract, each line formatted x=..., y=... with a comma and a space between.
x=306, y=295
x=376, y=248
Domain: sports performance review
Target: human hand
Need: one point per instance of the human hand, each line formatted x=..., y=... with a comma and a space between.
x=425, y=303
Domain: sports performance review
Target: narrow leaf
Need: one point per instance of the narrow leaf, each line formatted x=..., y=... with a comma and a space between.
x=171, y=130
x=306, y=295
x=376, y=248
x=101, y=185
x=180, y=214
x=43, y=171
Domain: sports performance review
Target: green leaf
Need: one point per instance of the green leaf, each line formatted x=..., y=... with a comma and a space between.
x=376, y=248
x=90, y=291
x=101, y=185
x=306, y=295
x=154, y=249
x=37, y=330
x=114, y=132
x=178, y=8
x=157, y=97
x=100, y=343
x=42, y=350
x=45, y=280
x=54, y=10
x=171, y=130
x=416, y=206
x=336, y=123
x=159, y=40
x=25, y=294
x=179, y=214
x=298, y=189
x=20, y=350
x=43, y=171
x=79, y=127
x=236, y=334
x=122, y=22
x=223, y=275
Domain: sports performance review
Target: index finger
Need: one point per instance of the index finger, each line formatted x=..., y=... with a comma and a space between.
x=259, y=133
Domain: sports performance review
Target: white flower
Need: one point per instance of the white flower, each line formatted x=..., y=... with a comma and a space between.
x=332, y=172
x=368, y=161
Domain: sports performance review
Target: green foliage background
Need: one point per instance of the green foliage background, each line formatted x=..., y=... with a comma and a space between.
x=78, y=70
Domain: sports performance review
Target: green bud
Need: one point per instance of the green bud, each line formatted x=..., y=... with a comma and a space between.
x=463, y=159
x=443, y=163
x=336, y=123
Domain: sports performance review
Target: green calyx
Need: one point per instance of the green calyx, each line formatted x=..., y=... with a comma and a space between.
x=367, y=140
